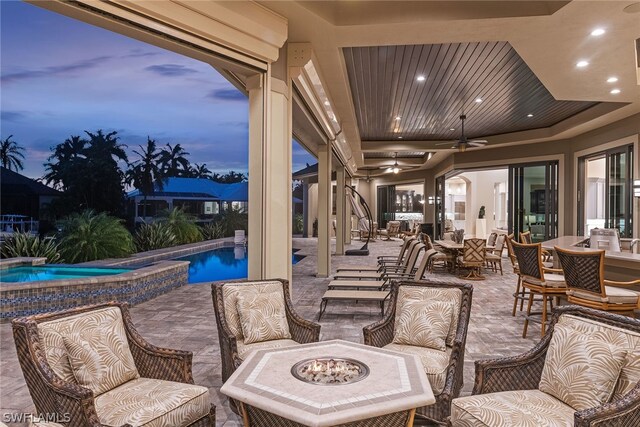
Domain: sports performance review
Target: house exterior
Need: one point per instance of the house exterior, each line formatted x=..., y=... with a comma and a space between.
x=22, y=201
x=200, y=197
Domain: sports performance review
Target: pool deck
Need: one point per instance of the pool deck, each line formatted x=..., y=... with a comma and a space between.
x=184, y=319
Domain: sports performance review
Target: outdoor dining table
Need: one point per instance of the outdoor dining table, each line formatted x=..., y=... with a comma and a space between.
x=389, y=387
x=455, y=248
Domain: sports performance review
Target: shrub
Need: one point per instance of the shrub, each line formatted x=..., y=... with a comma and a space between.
x=182, y=225
x=154, y=236
x=234, y=219
x=298, y=223
x=212, y=230
x=88, y=236
x=21, y=244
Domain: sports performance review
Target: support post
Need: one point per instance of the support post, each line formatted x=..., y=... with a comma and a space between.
x=324, y=210
x=340, y=209
x=347, y=217
x=305, y=208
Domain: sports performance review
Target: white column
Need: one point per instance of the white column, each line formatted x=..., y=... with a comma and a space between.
x=324, y=210
x=340, y=209
x=347, y=215
x=270, y=206
x=305, y=208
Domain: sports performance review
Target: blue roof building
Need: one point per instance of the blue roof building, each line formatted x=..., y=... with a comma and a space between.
x=200, y=197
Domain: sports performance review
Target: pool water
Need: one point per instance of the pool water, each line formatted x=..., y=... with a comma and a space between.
x=220, y=264
x=54, y=272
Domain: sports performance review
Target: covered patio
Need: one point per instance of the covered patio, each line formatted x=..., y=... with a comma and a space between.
x=184, y=319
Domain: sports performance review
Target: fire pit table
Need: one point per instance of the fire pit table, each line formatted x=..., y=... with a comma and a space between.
x=328, y=384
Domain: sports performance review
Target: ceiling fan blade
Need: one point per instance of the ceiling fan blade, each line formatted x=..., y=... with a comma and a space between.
x=476, y=144
x=447, y=143
x=479, y=141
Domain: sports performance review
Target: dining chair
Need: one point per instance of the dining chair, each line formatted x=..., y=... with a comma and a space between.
x=537, y=279
x=473, y=258
x=586, y=285
x=494, y=258
x=491, y=241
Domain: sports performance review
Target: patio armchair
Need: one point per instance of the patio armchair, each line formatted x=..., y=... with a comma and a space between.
x=239, y=331
x=534, y=388
x=444, y=364
x=392, y=230
x=127, y=382
x=494, y=258
x=473, y=258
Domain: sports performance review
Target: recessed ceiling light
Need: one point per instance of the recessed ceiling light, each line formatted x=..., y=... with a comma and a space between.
x=399, y=137
x=398, y=117
x=478, y=100
x=612, y=79
x=615, y=91
x=597, y=32
x=582, y=64
x=452, y=128
x=529, y=115
x=421, y=78
x=327, y=103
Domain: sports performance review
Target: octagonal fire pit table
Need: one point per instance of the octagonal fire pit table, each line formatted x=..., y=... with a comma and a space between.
x=329, y=383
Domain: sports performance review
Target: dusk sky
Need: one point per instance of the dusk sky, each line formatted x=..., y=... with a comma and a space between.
x=61, y=77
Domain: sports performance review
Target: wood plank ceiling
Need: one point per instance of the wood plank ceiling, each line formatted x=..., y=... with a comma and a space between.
x=391, y=103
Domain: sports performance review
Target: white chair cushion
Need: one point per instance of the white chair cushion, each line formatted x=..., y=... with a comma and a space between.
x=423, y=323
x=630, y=341
x=263, y=317
x=452, y=295
x=100, y=353
x=511, y=408
x=550, y=280
x=245, y=349
x=614, y=295
x=153, y=403
x=230, y=292
x=434, y=362
x=581, y=368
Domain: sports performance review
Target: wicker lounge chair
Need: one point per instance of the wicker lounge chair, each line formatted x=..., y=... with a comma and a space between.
x=533, y=386
x=147, y=384
x=232, y=343
x=444, y=368
x=383, y=261
x=407, y=266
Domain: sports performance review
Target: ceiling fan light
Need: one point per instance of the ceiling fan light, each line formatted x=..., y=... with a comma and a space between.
x=462, y=148
x=396, y=169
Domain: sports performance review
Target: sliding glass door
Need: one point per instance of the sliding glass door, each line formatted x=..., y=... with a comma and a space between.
x=439, y=204
x=605, y=194
x=533, y=200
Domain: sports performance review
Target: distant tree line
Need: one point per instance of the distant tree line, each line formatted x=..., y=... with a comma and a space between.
x=94, y=170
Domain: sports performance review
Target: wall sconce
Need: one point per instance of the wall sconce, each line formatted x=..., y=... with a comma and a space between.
x=636, y=188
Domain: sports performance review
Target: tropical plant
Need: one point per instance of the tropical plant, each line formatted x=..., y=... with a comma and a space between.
x=212, y=230
x=182, y=225
x=298, y=221
x=199, y=171
x=173, y=160
x=22, y=244
x=234, y=219
x=145, y=174
x=89, y=236
x=11, y=154
x=88, y=172
x=153, y=236
x=229, y=177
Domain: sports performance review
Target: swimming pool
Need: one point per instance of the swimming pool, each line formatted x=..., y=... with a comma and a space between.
x=35, y=273
x=221, y=264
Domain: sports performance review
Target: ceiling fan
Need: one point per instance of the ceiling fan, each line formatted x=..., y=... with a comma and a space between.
x=396, y=168
x=463, y=143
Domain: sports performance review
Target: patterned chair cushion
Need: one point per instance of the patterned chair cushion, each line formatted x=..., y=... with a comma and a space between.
x=614, y=295
x=263, y=317
x=230, y=292
x=452, y=295
x=99, y=344
x=435, y=363
x=630, y=341
x=581, y=367
x=245, y=349
x=423, y=323
x=511, y=408
x=153, y=403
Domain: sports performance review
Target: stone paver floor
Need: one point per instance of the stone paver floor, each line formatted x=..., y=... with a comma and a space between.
x=184, y=319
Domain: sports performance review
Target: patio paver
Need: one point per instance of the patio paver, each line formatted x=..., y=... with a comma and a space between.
x=184, y=319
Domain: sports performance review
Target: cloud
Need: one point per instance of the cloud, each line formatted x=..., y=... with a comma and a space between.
x=55, y=70
x=227, y=95
x=13, y=116
x=138, y=53
x=171, y=70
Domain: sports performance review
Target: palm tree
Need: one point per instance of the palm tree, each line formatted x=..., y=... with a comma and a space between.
x=174, y=161
x=146, y=174
x=11, y=154
x=61, y=162
x=200, y=171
